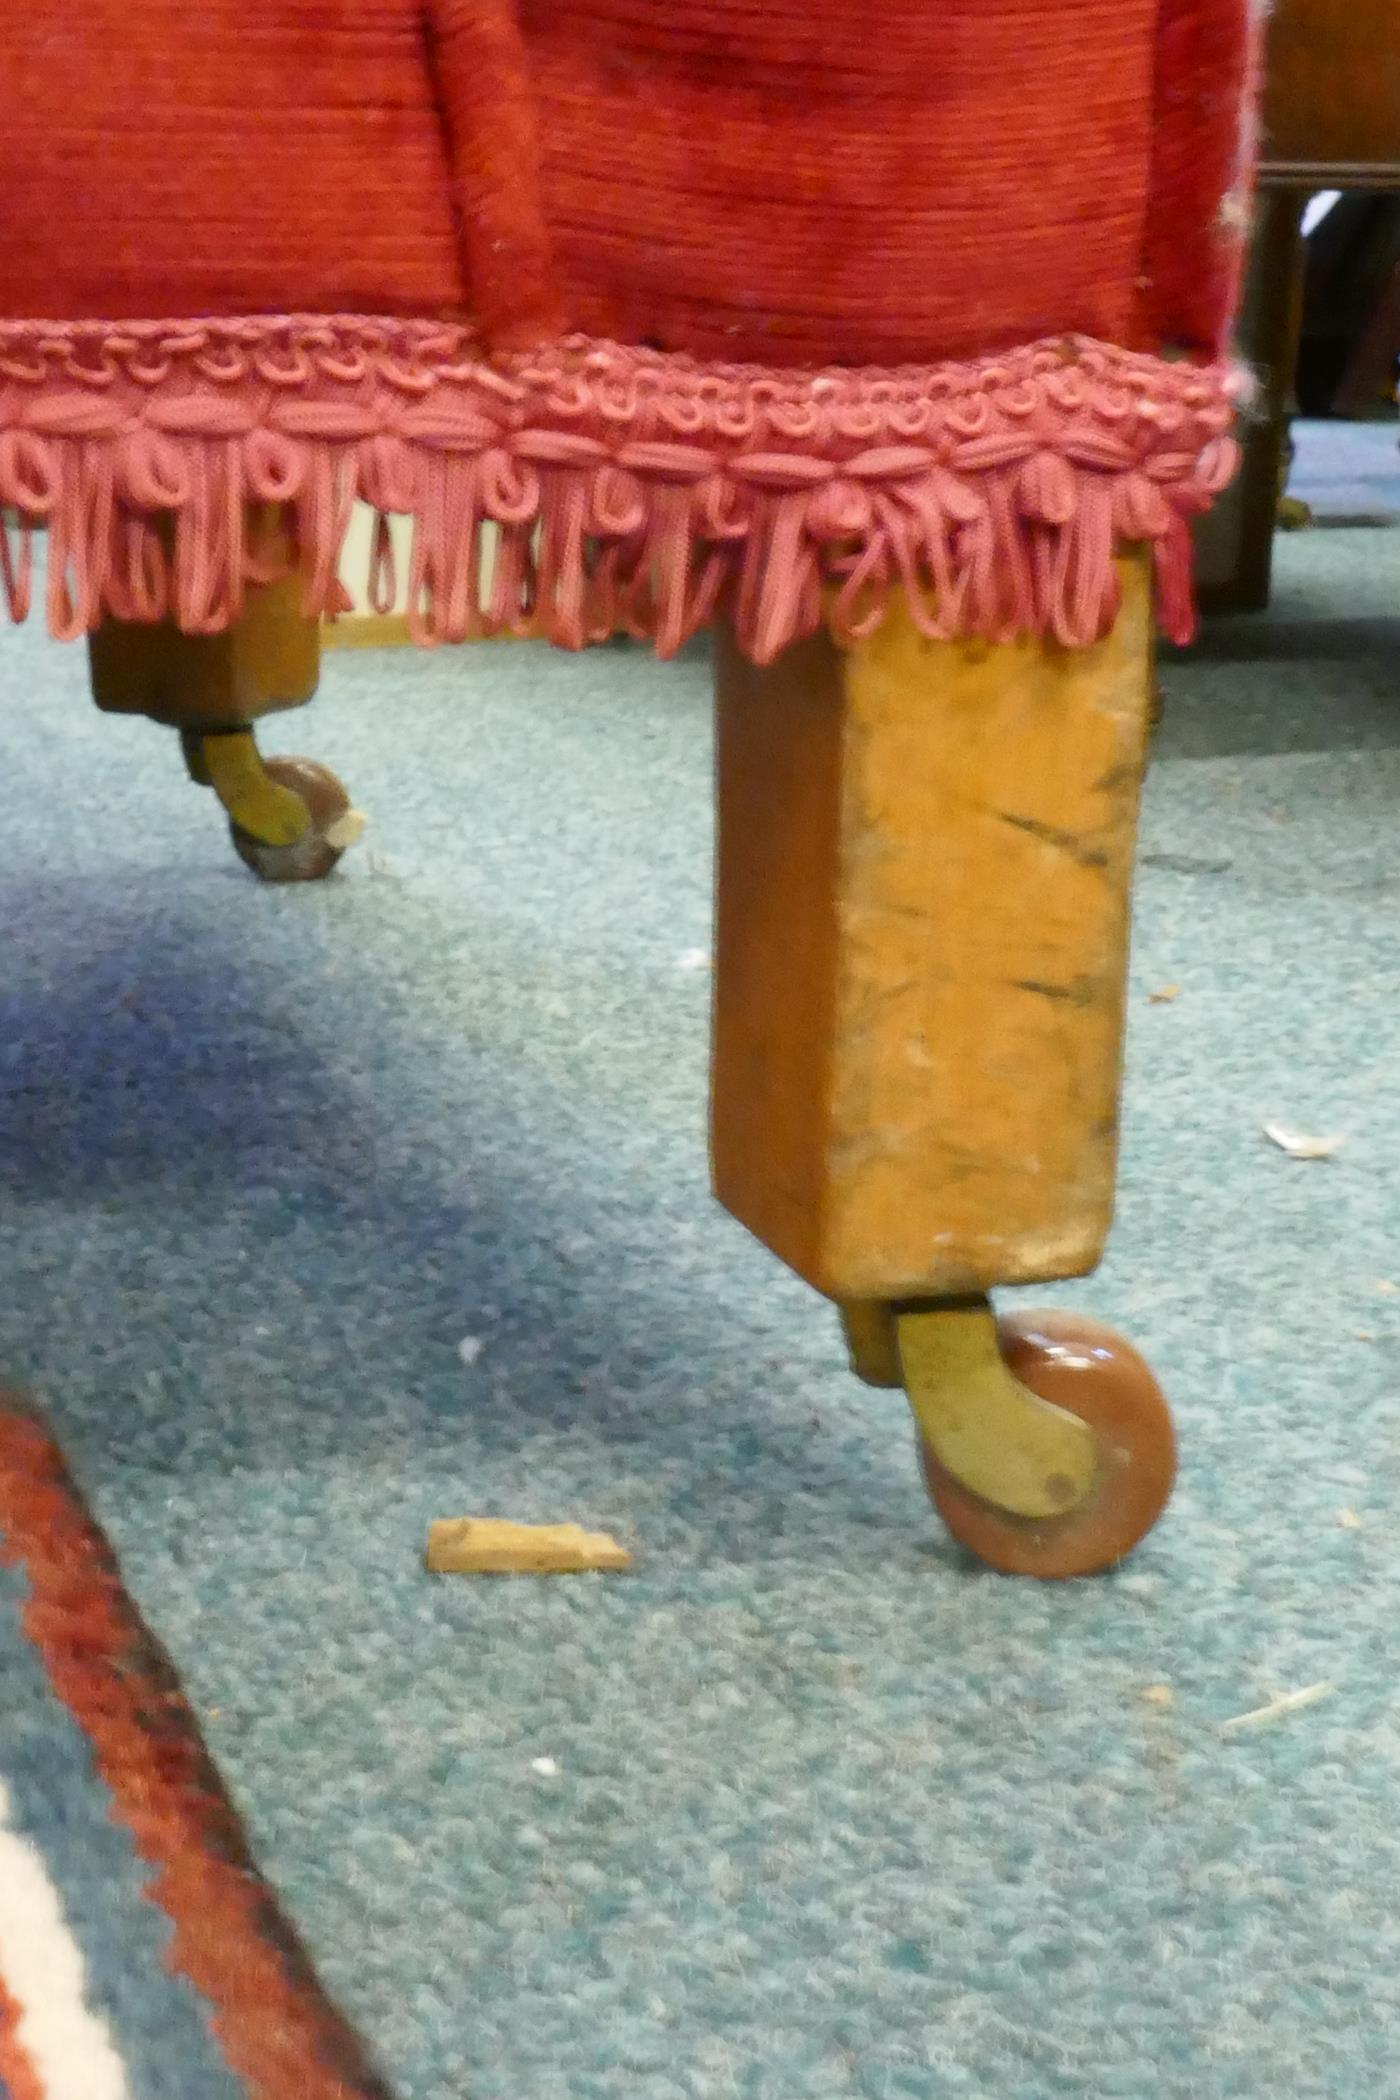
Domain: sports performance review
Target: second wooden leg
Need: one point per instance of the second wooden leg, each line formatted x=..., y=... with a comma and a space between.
x=290, y=819
x=1235, y=539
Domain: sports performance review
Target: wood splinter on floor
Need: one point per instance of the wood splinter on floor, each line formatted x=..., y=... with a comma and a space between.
x=495, y=1546
x=1298, y=1145
x=1288, y=1703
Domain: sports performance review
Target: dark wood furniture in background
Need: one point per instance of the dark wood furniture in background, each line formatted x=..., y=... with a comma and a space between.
x=1331, y=120
x=1332, y=95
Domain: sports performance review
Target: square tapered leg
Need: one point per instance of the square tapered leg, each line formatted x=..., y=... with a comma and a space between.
x=924, y=865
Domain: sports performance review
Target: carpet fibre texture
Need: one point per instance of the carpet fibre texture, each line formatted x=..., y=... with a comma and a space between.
x=326, y=1212
x=141, y=1953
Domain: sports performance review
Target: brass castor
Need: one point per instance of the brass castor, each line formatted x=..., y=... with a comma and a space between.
x=290, y=819
x=1045, y=1441
x=332, y=825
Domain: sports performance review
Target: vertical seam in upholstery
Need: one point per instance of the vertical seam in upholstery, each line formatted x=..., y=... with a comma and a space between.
x=486, y=105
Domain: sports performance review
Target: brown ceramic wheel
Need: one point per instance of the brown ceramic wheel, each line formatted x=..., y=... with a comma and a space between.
x=1094, y=1373
x=312, y=855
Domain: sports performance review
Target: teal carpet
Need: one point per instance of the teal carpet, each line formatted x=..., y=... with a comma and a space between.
x=826, y=1811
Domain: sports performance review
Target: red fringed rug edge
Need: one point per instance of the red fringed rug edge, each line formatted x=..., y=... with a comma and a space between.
x=276, y=2027
x=18, y=2078
x=628, y=490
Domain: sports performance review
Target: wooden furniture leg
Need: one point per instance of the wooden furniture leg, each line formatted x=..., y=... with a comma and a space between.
x=1235, y=540
x=290, y=819
x=924, y=862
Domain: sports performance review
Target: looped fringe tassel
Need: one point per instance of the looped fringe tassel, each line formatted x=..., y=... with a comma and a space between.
x=624, y=490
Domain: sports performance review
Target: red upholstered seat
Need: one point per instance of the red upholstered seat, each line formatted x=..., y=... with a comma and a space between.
x=942, y=185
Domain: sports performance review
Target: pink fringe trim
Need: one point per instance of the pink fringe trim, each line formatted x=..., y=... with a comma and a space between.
x=630, y=490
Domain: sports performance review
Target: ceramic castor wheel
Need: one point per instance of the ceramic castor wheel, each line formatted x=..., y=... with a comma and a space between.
x=1093, y=1373
x=333, y=825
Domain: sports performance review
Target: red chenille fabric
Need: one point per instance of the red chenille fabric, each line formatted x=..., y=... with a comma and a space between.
x=881, y=185
x=687, y=298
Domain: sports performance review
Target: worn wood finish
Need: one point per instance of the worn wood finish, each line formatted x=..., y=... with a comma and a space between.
x=269, y=659
x=924, y=862
x=1332, y=94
